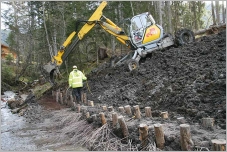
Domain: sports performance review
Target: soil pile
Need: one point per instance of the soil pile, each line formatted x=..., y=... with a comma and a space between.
x=188, y=80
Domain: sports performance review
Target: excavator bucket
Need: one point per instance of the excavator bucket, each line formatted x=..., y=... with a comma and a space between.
x=49, y=70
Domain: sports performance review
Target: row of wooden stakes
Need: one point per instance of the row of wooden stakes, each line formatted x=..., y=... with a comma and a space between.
x=185, y=135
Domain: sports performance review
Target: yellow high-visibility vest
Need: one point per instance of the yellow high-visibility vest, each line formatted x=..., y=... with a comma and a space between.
x=76, y=78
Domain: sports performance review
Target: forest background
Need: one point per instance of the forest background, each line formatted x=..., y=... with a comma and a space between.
x=35, y=30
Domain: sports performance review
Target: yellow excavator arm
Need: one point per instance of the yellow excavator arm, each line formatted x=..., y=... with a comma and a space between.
x=84, y=30
x=68, y=45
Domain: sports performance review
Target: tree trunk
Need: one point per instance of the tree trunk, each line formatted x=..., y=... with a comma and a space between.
x=132, y=8
x=217, y=12
x=195, y=15
x=223, y=11
x=44, y=22
x=169, y=17
x=213, y=14
x=160, y=12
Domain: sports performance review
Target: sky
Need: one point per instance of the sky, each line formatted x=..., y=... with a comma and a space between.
x=3, y=7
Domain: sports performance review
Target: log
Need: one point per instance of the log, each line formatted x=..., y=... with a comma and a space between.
x=143, y=135
x=137, y=111
x=114, y=119
x=164, y=115
x=128, y=110
x=218, y=145
x=180, y=120
x=103, y=119
x=18, y=109
x=123, y=126
x=210, y=30
x=121, y=109
x=90, y=103
x=159, y=136
x=110, y=109
x=104, y=108
x=185, y=138
x=148, y=112
x=208, y=122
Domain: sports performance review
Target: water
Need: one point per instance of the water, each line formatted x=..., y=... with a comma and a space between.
x=10, y=125
x=19, y=135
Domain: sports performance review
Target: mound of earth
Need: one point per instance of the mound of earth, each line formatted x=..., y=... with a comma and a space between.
x=188, y=80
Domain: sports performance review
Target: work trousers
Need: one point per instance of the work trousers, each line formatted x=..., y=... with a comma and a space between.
x=77, y=92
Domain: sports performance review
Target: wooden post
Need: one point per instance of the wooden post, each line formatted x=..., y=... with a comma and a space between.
x=218, y=145
x=57, y=96
x=90, y=103
x=164, y=115
x=123, y=126
x=143, y=134
x=180, y=120
x=74, y=106
x=137, y=111
x=78, y=108
x=61, y=98
x=185, y=138
x=103, y=119
x=148, y=112
x=121, y=109
x=83, y=110
x=94, y=117
x=85, y=98
x=104, y=108
x=110, y=109
x=208, y=122
x=159, y=136
x=53, y=93
x=87, y=115
x=114, y=118
x=71, y=100
x=128, y=110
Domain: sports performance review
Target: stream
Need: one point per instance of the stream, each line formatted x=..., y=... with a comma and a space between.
x=17, y=134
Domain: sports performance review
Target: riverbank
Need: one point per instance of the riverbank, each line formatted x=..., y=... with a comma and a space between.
x=19, y=133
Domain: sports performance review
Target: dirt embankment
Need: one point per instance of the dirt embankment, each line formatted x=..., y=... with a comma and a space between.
x=188, y=80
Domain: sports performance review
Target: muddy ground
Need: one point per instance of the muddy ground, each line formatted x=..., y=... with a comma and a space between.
x=188, y=81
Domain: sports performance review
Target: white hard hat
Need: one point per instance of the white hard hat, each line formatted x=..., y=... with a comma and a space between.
x=74, y=67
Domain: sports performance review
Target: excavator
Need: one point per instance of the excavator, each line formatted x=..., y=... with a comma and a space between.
x=143, y=37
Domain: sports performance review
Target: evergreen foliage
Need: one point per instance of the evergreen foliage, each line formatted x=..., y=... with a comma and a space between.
x=35, y=43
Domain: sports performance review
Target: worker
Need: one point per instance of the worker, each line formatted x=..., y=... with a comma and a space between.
x=76, y=78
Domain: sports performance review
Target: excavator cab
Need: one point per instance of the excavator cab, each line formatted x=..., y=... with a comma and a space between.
x=144, y=31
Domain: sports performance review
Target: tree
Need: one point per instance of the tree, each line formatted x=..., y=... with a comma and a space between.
x=213, y=14
x=223, y=12
x=169, y=15
x=9, y=58
x=217, y=12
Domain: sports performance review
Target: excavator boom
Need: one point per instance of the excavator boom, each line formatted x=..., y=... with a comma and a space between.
x=57, y=60
x=144, y=37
